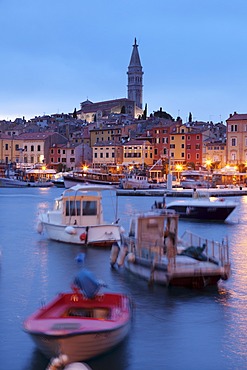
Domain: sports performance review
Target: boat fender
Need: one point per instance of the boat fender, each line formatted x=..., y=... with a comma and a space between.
x=114, y=253
x=122, y=255
x=131, y=257
x=70, y=230
x=83, y=237
x=39, y=227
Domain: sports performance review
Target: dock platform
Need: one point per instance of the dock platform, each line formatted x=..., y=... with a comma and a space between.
x=179, y=192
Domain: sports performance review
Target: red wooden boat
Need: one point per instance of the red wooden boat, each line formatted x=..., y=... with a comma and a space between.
x=81, y=324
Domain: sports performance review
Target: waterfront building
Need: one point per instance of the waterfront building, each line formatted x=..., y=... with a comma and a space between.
x=138, y=153
x=35, y=147
x=215, y=153
x=107, y=153
x=236, y=139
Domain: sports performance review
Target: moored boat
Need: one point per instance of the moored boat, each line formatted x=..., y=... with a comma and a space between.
x=92, y=176
x=6, y=182
x=81, y=324
x=154, y=252
x=77, y=217
x=200, y=207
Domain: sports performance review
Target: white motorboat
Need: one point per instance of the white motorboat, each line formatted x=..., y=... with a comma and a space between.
x=200, y=207
x=77, y=217
x=154, y=252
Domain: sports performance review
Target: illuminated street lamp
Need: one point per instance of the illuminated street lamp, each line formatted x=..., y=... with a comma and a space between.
x=178, y=168
x=208, y=165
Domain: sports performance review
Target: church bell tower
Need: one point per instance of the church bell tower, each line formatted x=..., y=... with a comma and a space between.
x=135, y=74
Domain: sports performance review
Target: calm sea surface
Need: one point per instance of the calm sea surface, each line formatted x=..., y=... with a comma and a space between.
x=173, y=328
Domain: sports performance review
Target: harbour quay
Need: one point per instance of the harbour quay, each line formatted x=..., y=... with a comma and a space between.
x=179, y=192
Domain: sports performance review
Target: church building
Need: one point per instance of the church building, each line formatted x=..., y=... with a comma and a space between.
x=131, y=106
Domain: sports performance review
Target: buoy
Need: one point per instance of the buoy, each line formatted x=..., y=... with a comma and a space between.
x=39, y=227
x=80, y=257
x=131, y=257
x=83, y=237
x=70, y=230
x=114, y=253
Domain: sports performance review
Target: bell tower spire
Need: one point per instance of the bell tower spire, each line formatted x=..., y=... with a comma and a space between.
x=135, y=74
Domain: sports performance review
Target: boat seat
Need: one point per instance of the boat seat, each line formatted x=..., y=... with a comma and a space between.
x=94, y=313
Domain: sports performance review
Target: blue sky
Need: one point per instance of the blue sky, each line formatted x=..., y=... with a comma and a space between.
x=56, y=54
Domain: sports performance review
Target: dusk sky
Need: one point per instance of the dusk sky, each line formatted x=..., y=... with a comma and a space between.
x=56, y=54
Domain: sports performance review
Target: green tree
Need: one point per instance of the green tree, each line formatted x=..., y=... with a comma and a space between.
x=161, y=114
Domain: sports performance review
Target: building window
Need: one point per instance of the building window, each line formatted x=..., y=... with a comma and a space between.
x=52, y=159
x=101, y=155
x=172, y=137
x=107, y=155
x=234, y=128
x=182, y=154
x=64, y=151
x=32, y=160
x=6, y=146
x=188, y=137
x=95, y=155
x=39, y=148
x=72, y=151
x=16, y=147
x=197, y=146
x=182, y=146
x=188, y=156
x=32, y=148
x=197, y=137
x=197, y=156
x=234, y=141
x=58, y=151
x=183, y=137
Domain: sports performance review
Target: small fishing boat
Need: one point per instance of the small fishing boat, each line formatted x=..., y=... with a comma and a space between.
x=154, y=252
x=77, y=218
x=81, y=324
x=200, y=207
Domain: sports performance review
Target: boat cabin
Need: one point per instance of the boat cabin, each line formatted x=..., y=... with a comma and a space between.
x=151, y=235
x=79, y=207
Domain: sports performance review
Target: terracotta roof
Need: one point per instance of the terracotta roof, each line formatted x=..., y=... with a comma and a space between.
x=35, y=135
x=237, y=117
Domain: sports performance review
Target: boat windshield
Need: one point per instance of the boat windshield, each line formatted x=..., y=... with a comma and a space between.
x=78, y=208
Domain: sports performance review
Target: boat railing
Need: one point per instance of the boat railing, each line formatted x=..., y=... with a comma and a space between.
x=212, y=249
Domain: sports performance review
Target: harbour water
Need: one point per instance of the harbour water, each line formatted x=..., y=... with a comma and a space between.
x=173, y=328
